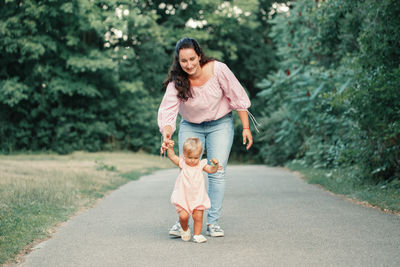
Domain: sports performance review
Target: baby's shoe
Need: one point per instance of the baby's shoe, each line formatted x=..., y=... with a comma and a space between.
x=185, y=235
x=199, y=239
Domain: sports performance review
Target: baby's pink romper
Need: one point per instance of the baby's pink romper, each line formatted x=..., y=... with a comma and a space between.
x=190, y=190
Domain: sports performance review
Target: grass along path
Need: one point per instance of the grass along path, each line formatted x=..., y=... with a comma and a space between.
x=37, y=192
x=384, y=196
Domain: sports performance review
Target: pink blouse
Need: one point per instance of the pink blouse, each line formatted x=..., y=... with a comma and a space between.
x=221, y=94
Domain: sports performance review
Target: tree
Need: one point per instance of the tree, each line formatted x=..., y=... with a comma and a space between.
x=87, y=74
x=332, y=101
x=67, y=79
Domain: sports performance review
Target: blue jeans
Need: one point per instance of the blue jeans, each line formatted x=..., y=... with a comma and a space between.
x=216, y=137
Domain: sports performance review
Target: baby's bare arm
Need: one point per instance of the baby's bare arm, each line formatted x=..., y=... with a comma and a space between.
x=171, y=153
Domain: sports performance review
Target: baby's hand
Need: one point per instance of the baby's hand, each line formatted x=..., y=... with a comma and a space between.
x=170, y=144
x=215, y=162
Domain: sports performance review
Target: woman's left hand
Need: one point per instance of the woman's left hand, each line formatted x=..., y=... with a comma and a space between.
x=247, y=138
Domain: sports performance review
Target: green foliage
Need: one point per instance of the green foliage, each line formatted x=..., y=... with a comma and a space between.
x=376, y=92
x=86, y=75
x=377, y=113
x=71, y=80
x=12, y=91
x=333, y=101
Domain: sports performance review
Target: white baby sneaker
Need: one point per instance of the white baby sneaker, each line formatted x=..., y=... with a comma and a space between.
x=199, y=239
x=185, y=235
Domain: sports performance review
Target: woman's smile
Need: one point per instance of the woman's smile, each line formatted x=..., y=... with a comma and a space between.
x=189, y=61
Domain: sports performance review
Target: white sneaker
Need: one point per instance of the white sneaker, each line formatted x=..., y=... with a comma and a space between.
x=214, y=230
x=185, y=235
x=175, y=229
x=199, y=239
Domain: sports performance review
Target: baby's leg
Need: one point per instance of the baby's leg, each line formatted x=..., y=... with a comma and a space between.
x=183, y=219
x=198, y=221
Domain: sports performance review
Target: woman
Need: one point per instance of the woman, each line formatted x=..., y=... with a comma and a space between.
x=204, y=91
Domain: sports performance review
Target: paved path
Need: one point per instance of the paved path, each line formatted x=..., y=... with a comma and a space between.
x=270, y=218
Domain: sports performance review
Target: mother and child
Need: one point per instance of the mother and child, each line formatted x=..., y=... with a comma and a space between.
x=204, y=92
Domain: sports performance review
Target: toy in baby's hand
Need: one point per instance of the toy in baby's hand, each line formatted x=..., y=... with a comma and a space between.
x=215, y=162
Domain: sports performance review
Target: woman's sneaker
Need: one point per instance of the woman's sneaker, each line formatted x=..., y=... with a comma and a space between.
x=185, y=235
x=199, y=239
x=214, y=230
x=175, y=229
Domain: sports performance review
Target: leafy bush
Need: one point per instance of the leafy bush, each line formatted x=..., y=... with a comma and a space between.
x=376, y=110
x=69, y=80
x=85, y=75
x=334, y=100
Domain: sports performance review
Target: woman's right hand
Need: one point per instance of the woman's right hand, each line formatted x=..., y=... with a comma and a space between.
x=166, y=137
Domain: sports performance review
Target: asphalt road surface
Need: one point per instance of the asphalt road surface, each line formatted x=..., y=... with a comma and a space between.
x=270, y=217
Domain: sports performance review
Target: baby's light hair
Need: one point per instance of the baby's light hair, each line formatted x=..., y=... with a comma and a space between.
x=191, y=145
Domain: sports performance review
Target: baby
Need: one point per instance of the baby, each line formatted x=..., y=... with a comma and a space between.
x=190, y=196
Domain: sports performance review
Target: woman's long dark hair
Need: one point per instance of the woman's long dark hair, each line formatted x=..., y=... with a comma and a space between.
x=177, y=74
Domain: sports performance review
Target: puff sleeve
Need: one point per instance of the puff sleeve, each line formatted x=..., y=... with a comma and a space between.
x=233, y=90
x=181, y=162
x=203, y=163
x=169, y=107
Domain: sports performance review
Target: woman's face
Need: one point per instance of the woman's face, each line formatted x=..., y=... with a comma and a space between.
x=189, y=61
